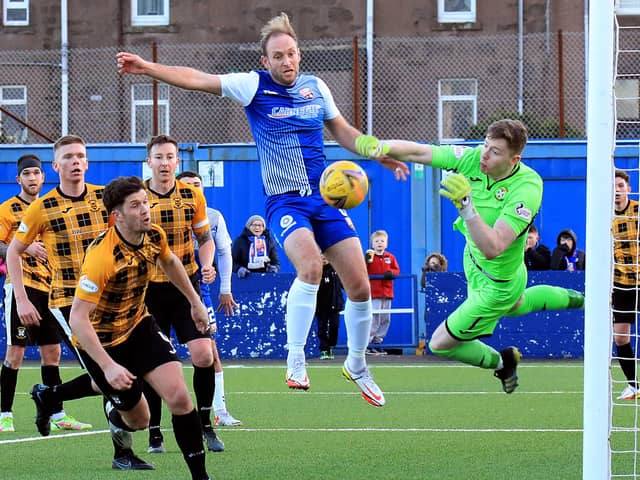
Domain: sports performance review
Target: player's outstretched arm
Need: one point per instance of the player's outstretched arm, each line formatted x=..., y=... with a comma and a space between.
x=402, y=150
x=183, y=77
x=348, y=137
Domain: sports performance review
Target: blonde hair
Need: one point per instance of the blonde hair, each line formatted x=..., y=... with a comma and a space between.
x=278, y=24
x=379, y=233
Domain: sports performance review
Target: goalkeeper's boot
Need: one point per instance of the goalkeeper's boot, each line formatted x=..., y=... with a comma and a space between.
x=368, y=387
x=67, y=422
x=297, y=377
x=507, y=374
x=629, y=393
x=576, y=299
x=6, y=423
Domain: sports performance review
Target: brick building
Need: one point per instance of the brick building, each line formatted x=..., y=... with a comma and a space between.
x=438, y=66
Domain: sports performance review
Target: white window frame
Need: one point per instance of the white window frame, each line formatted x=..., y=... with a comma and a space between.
x=14, y=101
x=443, y=99
x=162, y=102
x=14, y=5
x=627, y=7
x=460, y=16
x=627, y=98
x=142, y=20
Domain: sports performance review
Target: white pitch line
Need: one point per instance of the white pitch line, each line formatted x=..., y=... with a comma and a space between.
x=329, y=430
x=386, y=392
x=374, y=366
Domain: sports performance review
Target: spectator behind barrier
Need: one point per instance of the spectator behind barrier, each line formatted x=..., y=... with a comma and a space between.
x=536, y=255
x=435, y=262
x=566, y=255
x=380, y=263
x=254, y=250
x=330, y=301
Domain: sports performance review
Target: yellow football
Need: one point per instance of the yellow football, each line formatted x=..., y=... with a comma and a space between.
x=344, y=184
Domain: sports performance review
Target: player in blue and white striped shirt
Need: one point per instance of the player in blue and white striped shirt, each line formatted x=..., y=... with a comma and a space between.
x=287, y=111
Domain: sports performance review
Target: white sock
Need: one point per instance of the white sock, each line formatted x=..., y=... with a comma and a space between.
x=357, y=318
x=219, y=403
x=301, y=307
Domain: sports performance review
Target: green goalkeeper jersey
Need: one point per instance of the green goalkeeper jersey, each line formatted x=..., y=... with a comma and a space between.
x=515, y=200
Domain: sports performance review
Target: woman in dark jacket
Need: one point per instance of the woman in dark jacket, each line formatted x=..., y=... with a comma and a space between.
x=566, y=255
x=254, y=250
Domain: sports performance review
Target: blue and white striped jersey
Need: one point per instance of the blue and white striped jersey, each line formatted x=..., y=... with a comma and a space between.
x=287, y=125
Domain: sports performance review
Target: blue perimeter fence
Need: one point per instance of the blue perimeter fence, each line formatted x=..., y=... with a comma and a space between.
x=412, y=213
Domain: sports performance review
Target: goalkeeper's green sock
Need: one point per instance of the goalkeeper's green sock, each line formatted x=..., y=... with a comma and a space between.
x=473, y=353
x=547, y=297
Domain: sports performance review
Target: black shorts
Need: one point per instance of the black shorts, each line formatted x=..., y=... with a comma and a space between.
x=48, y=333
x=171, y=309
x=625, y=303
x=146, y=349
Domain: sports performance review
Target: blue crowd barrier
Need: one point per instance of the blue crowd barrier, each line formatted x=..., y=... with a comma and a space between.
x=258, y=329
x=547, y=334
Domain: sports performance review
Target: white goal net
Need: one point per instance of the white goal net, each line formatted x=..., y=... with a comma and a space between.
x=624, y=440
x=611, y=441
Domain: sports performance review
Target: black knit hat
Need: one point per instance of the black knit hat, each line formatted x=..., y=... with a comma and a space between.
x=27, y=161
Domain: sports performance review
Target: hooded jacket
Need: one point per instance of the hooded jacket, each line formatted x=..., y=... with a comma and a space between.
x=562, y=258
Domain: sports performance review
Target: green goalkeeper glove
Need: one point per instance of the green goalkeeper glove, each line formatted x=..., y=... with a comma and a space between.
x=458, y=189
x=370, y=147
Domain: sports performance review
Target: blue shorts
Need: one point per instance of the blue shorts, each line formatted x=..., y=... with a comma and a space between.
x=289, y=211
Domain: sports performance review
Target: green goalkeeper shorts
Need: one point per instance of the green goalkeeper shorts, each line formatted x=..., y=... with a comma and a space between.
x=487, y=301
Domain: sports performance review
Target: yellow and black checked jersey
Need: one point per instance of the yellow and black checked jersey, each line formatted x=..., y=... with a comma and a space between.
x=114, y=276
x=66, y=225
x=625, y=245
x=179, y=212
x=35, y=272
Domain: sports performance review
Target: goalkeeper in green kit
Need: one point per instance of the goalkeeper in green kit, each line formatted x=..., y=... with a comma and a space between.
x=497, y=197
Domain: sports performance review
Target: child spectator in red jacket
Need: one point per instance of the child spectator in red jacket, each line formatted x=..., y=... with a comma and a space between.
x=382, y=267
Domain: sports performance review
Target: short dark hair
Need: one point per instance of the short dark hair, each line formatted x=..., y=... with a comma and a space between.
x=513, y=131
x=68, y=140
x=532, y=229
x=188, y=174
x=118, y=189
x=160, y=140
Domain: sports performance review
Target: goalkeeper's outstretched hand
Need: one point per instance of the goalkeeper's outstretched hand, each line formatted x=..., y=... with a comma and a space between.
x=371, y=147
x=457, y=188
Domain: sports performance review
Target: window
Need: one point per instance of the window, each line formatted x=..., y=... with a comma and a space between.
x=14, y=99
x=628, y=7
x=457, y=108
x=627, y=96
x=16, y=13
x=149, y=12
x=142, y=111
x=456, y=11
